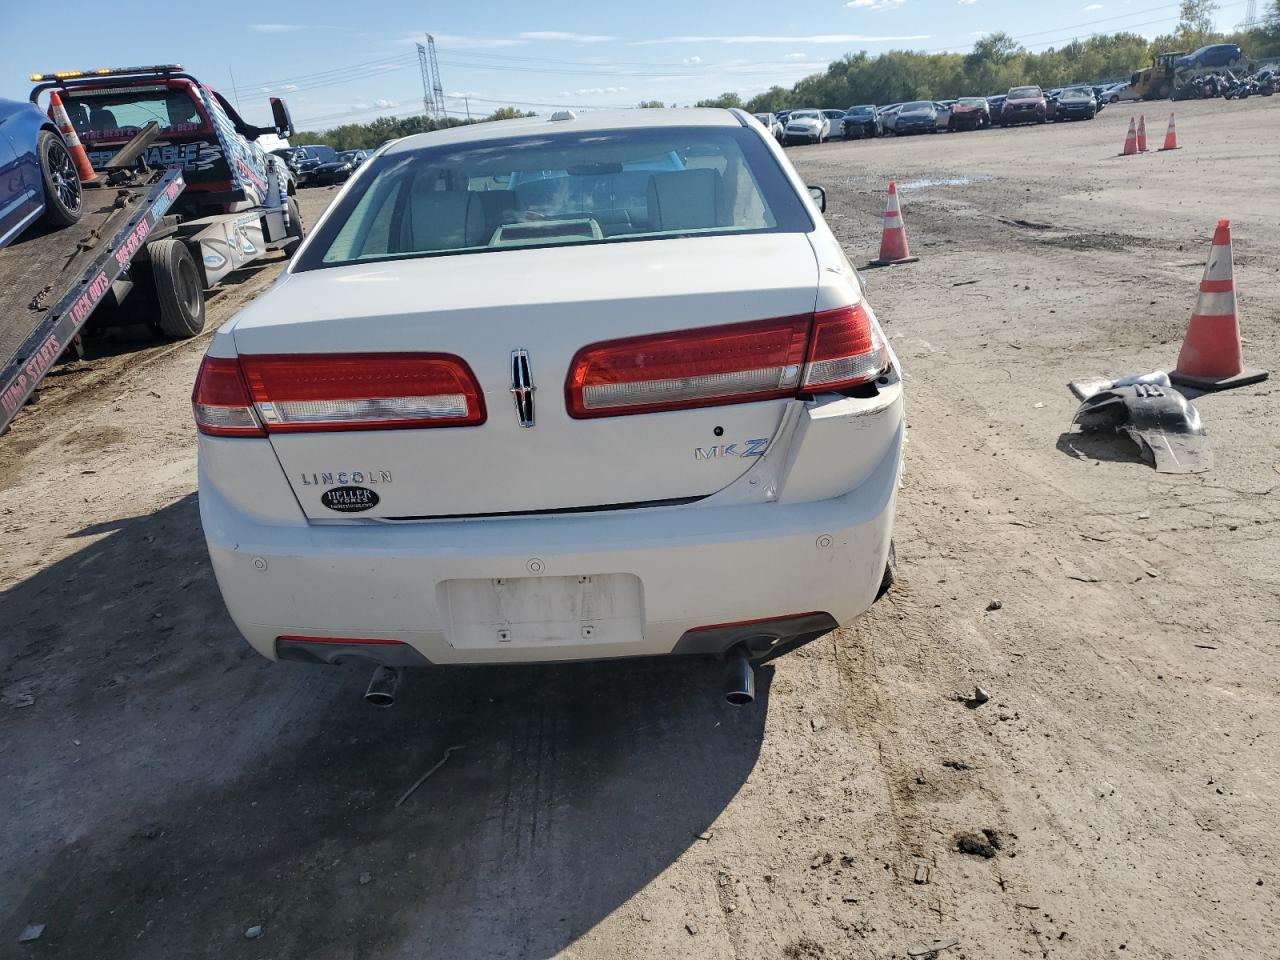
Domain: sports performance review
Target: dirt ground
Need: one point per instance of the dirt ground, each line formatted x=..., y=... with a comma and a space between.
x=165, y=789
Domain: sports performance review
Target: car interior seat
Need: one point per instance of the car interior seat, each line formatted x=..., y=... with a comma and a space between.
x=685, y=199
x=443, y=220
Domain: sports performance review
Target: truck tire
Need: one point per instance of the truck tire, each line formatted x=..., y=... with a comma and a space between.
x=63, y=198
x=296, y=228
x=178, y=290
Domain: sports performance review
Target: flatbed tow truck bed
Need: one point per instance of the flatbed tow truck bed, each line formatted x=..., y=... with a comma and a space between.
x=51, y=280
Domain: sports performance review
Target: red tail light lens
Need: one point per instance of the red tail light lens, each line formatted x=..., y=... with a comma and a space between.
x=298, y=393
x=221, y=402
x=737, y=363
x=847, y=350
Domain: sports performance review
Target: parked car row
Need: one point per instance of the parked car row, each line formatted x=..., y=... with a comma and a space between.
x=318, y=165
x=1023, y=104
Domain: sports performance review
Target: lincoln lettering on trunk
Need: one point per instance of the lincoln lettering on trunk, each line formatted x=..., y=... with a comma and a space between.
x=343, y=477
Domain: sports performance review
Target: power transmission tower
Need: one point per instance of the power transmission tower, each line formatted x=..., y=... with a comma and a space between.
x=436, y=88
x=1250, y=15
x=428, y=98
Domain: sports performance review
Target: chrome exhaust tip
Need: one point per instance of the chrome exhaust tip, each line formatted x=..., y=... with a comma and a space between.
x=383, y=687
x=739, y=677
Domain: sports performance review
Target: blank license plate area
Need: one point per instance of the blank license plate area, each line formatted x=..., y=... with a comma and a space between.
x=544, y=611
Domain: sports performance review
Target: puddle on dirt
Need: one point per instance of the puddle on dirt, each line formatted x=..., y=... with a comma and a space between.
x=942, y=182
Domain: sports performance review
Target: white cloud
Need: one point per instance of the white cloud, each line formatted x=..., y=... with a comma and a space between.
x=276, y=27
x=386, y=104
x=458, y=42
x=796, y=56
x=874, y=4
x=593, y=91
x=691, y=61
x=563, y=35
x=264, y=89
x=817, y=38
x=1093, y=6
x=290, y=87
x=966, y=3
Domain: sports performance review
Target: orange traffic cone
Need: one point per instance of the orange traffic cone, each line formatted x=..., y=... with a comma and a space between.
x=84, y=170
x=1211, y=358
x=1171, y=136
x=1130, y=141
x=893, y=241
x=1142, y=133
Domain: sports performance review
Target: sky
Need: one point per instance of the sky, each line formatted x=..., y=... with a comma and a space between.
x=338, y=61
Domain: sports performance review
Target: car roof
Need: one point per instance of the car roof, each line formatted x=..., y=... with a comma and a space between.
x=577, y=122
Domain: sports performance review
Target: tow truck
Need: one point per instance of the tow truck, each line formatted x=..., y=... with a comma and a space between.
x=183, y=196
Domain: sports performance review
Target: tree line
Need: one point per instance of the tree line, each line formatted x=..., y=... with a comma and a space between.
x=997, y=62
x=368, y=136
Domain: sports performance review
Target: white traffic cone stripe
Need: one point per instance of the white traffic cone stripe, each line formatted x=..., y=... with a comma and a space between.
x=1216, y=304
x=1219, y=264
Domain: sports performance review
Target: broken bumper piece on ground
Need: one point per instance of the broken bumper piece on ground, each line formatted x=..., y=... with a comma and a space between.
x=1162, y=422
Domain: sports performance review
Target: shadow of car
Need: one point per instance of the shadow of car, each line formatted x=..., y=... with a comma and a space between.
x=577, y=785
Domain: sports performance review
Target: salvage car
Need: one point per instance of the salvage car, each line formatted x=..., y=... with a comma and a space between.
x=770, y=123
x=339, y=169
x=919, y=116
x=308, y=158
x=1024, y=105
x=636, y=404
x=1076, y=103
x=889, y=117
x=835, y=119
x=38, y=178
x=861, y=122
x=970, y=113
x=806, y=126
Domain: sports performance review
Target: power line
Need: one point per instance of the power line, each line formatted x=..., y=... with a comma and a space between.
x=363, y=66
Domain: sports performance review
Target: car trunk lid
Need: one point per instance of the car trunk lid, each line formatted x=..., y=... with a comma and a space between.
x=548, y=303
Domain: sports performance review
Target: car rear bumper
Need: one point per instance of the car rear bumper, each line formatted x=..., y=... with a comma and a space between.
x=616, y=583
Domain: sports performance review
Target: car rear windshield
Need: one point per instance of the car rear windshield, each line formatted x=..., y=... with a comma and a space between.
x=920, y=106
x=972, y=102
x=1025, y=93
x=113, y=114
x=549, y=190
x=861, y=112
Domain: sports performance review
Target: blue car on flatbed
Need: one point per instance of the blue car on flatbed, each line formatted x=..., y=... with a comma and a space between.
x=37, y=175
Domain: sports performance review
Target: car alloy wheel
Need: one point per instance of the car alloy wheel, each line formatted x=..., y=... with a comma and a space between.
x=62, y=174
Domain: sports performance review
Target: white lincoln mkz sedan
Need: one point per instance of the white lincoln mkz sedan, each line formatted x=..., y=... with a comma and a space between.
x=554, y=389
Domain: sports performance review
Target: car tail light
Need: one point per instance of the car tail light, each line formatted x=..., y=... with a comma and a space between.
x=736, y=363
x=297, y=393
x=221, y=402
x=846, y=350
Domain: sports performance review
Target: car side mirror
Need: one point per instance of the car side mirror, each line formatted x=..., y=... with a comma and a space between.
x=280, y=117
x=819, y=197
